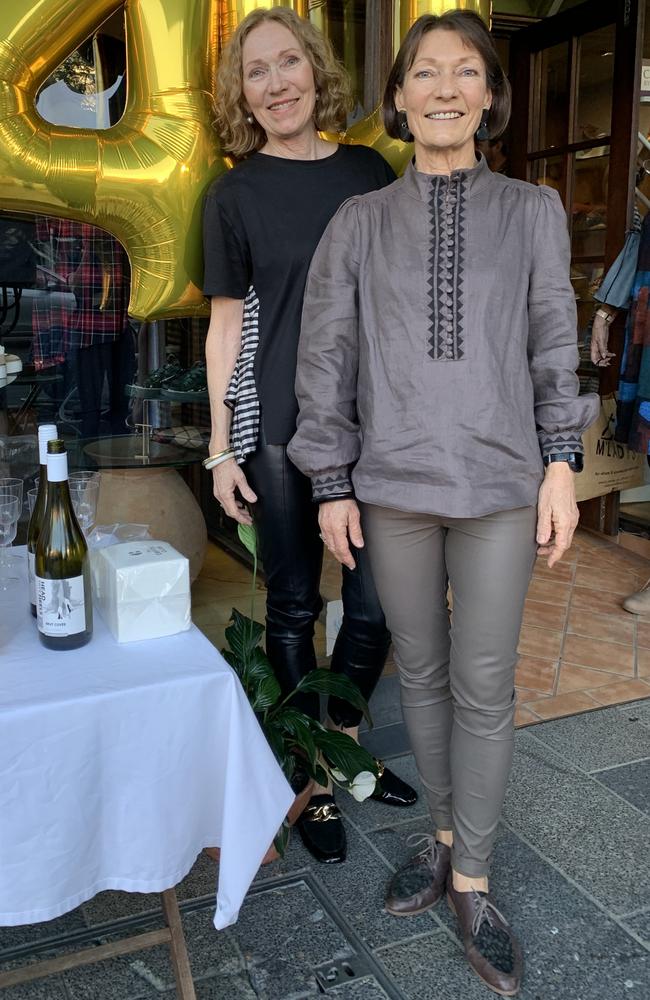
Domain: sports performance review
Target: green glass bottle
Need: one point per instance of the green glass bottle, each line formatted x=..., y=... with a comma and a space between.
x=62, y=569
x=46, y=432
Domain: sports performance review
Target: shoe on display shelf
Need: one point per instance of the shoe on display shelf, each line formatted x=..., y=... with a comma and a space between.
x=188, y=385
x=151, y=386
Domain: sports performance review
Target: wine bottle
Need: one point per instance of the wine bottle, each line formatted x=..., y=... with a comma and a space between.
x=46, y=432
x=62, y=569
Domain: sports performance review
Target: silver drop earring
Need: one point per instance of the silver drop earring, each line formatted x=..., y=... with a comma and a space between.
x=249, y=119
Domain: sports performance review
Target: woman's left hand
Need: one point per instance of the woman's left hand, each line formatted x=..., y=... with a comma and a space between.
x=557, y=512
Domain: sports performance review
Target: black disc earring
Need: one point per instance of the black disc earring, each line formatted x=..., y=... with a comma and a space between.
x=482, y=132
x=403, y=126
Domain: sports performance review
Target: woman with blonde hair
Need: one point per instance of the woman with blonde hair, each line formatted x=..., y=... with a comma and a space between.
x=278, y=86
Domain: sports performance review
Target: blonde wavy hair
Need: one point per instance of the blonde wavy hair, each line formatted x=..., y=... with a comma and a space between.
x=239, y=137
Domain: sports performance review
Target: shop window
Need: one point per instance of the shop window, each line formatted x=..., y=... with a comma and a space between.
x=345, y=23
x=88, y=89
x=65, y=291
x=595, y=81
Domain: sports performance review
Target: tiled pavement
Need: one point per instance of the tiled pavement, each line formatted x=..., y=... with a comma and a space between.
x=571, y=871
x=578, y=648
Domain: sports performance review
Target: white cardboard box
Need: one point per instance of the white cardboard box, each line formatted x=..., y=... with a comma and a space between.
x=142, y=589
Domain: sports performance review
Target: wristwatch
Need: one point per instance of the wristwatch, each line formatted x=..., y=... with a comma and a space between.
x=574, y=460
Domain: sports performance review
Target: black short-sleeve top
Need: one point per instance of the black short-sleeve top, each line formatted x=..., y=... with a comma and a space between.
x=262, y=223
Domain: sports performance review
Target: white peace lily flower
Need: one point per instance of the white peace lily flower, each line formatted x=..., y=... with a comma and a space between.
x=363, y=785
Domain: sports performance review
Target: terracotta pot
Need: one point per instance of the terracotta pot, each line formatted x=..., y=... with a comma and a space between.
x=299, y=804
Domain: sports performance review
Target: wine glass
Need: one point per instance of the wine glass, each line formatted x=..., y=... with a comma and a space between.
x=84, y=494
x=10, y=508
x=31, y=500
x=85, y=476
x=11, y=488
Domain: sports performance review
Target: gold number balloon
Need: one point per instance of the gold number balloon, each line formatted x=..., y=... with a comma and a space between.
x=144, y=179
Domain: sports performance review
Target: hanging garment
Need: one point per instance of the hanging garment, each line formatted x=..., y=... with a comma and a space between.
x=633, y=411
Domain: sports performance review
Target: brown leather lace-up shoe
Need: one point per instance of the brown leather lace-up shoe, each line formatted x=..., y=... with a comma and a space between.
x=420, y=883
x=491, y=948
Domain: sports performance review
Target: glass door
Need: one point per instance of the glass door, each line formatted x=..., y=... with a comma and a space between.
x=575, y=83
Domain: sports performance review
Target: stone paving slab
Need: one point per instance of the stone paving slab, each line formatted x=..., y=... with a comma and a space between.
x=597, y=740
x=631, y=781
x=44, y=989
x=579, y=825
x=280, y=953
x=637, y=709
x=356, y=887
x=639, y=925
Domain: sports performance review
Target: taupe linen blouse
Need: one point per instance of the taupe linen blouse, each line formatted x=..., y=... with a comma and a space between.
x=438, y=346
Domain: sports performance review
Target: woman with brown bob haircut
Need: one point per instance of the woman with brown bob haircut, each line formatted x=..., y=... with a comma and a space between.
x=278, y=85
x=437, y=389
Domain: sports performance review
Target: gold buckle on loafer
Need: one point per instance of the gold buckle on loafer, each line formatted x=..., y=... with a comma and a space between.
x=321, y=814
x=381, y=767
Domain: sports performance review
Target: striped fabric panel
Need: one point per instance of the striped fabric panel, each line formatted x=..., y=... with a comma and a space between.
x=241, y=395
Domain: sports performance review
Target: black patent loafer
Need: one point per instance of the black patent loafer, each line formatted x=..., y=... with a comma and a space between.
x=392, y=790
x=321, y=829
x=491, y=948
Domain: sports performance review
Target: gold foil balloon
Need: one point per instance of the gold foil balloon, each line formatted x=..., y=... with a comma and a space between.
x=143, y=179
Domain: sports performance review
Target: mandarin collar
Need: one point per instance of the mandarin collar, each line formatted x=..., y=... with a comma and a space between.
x=420, y=185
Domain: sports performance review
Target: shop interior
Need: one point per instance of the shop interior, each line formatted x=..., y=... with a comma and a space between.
x=130, y=397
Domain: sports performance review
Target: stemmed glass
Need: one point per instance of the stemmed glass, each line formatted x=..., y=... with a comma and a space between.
x=84, y=494
x=11, y=489
x=10, y=508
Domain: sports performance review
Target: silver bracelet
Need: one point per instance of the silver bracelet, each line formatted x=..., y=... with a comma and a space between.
x=608, y=317
x=212, y=463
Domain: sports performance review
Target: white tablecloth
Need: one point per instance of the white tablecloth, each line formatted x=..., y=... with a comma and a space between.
x=119, y=764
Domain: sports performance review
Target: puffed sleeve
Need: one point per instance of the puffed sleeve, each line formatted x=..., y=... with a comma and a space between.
x=327, y=440
x=561, y=414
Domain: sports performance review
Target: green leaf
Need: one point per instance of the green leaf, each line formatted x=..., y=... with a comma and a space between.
x=275, y=740
x=325, y=682
x=265, y=694
x=297, y=725
x=343, y=753
x=243, y=635
x=259, y=666
x=230, y=658
x=248, y=537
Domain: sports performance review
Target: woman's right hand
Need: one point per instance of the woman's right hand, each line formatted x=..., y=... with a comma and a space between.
x=226, y=478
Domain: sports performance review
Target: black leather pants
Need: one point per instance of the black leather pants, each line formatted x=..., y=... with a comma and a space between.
x=292, y=555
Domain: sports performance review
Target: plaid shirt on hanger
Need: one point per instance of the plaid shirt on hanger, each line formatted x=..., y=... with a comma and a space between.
x=86, y=274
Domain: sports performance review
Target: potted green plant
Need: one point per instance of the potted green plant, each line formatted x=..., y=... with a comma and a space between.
x=299, y=742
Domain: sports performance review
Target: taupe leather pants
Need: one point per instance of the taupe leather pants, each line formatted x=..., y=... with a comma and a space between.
x=456, y=676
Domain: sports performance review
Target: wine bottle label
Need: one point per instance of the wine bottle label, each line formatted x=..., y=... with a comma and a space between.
x=60, y=606
x=31, y=576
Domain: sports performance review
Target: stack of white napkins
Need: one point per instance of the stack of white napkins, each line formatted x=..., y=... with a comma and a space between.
x=142, y=589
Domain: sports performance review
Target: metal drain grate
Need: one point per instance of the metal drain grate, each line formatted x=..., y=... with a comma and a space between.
x=341, y=971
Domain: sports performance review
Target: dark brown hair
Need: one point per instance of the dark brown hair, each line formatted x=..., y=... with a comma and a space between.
x=473, y=30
